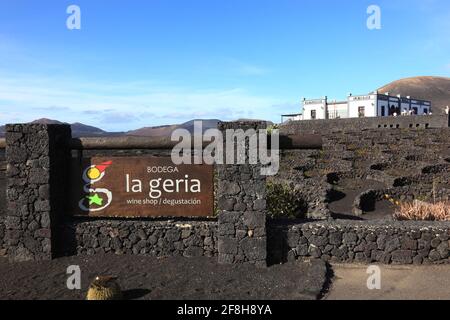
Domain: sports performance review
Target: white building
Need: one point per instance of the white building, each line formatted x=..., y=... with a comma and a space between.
x=371, y=105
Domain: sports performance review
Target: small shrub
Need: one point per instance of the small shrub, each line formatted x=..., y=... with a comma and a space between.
x=271, y=128
x=362, y=152
x=317, y=173
x=352, y=147
x=283, y=202
x=104, y=288
x=423, y=211
x=308, y=174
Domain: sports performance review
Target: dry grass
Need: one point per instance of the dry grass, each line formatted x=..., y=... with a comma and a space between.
x=423, y=211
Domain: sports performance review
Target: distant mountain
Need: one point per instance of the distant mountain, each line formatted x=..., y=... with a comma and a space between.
x=435, y=89
x=158, y=131
x=78, y=129
x=46, y=121
x=82, y=130
x=205, y=124
x=167, y=130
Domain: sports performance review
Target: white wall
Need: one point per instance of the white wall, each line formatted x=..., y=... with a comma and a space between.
x=382, y=103
x=416, y=104
x=337, y=110
x=319, y=107
x=368, y=102
x=395, y=103
x=293, y=118
x=426, y=106
x=404, y=106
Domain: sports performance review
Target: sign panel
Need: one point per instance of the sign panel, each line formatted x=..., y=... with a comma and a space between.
x=140, y=187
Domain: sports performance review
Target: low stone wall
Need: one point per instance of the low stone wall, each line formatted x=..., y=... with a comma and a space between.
x=386, y=242
x=154, y=238
x=358, y=124
x=365, y=202
x=2, y=236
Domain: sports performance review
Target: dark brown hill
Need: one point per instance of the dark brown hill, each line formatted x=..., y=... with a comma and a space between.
x=435, y=89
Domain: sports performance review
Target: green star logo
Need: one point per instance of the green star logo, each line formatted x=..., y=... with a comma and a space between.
x=95, y=199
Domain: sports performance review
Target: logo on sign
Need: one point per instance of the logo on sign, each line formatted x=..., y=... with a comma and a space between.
x=97, y=199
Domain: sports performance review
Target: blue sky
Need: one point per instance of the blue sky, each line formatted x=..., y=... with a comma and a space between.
x=140, y=63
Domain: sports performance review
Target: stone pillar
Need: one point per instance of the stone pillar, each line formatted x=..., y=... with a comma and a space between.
x=37, y=156
x=242, y=208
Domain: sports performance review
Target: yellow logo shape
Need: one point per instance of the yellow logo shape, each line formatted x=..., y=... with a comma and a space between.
x=93, y=173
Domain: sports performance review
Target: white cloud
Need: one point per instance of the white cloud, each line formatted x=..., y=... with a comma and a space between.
x=122, y=106
x=247, y=69
x=250, y=70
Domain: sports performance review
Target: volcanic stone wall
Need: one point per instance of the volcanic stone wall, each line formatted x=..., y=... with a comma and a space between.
x=152, y=238
x=2, y=236
x=241, y=234
x=242, y=208
x=2, y=201
x=362, y=242
x=409, y=164
x=358, y=124
x=36, y=172
x=339, y=241
x=37, y=228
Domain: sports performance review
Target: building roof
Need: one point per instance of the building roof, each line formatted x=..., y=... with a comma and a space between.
x=337, y=102
x=292, y=115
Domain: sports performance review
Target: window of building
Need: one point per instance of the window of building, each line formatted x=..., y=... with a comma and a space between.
x=383, y=111
x=313, y=114
x=361, y=112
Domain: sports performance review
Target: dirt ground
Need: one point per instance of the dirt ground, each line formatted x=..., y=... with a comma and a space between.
x=342, y=207
x=175, y=278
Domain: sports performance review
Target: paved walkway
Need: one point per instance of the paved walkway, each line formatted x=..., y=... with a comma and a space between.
x=397, y=283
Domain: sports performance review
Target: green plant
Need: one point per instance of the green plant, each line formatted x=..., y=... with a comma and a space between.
x=271, y=128
x=283, y=202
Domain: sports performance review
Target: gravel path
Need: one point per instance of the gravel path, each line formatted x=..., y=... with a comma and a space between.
x=169, y=278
